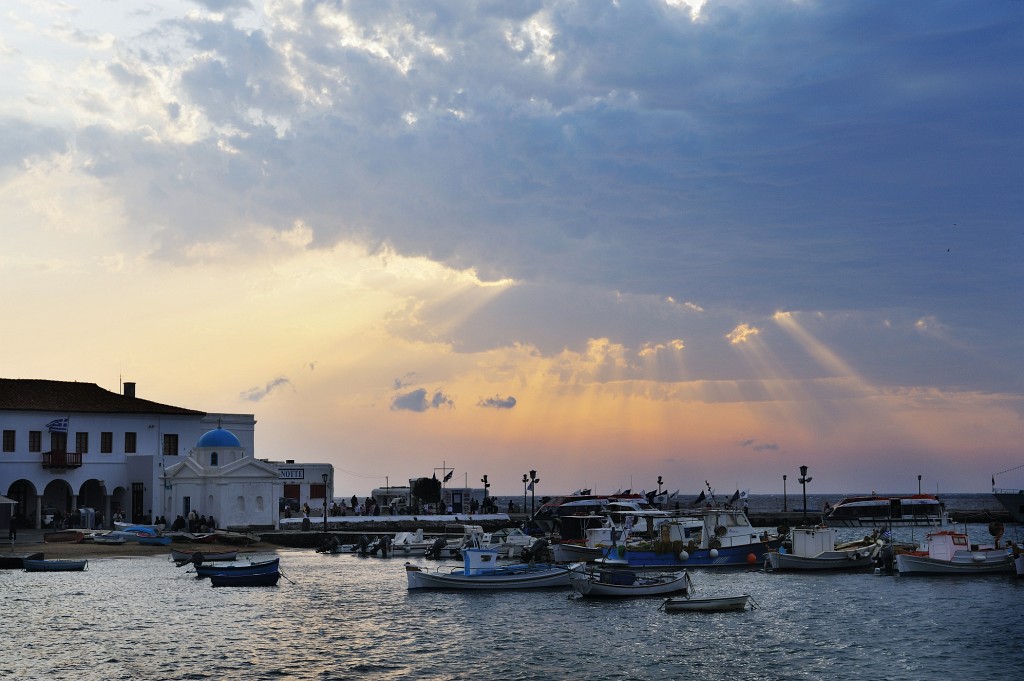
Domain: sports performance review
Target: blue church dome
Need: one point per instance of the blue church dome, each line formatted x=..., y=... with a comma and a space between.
x=219, y=438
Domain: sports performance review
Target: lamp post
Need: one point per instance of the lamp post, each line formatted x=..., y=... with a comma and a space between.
x=919, y=484
x=784, y=509
x=803, y=481
x=324, y=476
x=526, y=481
x=533, y=489
x=486, y=485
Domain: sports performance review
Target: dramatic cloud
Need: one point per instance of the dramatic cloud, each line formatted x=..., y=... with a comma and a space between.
x=417, y=400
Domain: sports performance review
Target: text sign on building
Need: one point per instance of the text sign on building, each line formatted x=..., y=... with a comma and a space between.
x=293, y=473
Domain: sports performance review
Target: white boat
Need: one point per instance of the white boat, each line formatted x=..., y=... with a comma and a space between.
x=110, y=538
x=480, y=571
x=617, y=582
x=623, y=520
x=951, y=553
x=815, y=548
x=706, y=603
x=913, y=510
x=1018, y=565
x=410, y=543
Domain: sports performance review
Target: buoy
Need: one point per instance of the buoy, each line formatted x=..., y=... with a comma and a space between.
x=713, y=553
x=683, y=556
x=751, y=559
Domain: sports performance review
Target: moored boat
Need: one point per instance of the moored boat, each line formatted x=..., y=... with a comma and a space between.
x=54, y=565
x=726, y=540
x=154, y=541
x=236, y=568
x=1012, y=500
x=617, y=582
x=17, y=561
x=706, y=603
x=64, y=536
x=260, y=579
x=480, y=571
x=816, y=548
x=180, y=556
x=912, y=510
x=950, y=553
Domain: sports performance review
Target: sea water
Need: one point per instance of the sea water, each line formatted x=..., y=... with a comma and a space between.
x=347, y=617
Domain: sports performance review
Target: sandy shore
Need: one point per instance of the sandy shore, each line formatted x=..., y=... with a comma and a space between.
x=26, y=544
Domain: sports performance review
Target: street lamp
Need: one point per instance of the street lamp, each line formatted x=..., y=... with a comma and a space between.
x=784, y=493
x=803, y=481
x=532, y=487
x=526, y=481
x=486, y=485
x=324, y=476
x=919, y=484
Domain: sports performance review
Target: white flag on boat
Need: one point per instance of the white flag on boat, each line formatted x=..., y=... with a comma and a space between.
x=744, y=494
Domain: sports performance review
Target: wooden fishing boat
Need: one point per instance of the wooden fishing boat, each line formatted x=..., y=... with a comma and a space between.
x=481, y=572
x=55, y=565
x=248, y=568
x=706, y=603
x=109, y=539
x=202, y=556
x=68, y=536
x=618, y=582
x=816, y=548
x=262, y=579
x=951, y=553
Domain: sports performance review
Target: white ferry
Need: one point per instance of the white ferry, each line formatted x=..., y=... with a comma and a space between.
x=897, y=511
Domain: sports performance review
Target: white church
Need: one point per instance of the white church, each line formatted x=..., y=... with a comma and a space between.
x=69, y=446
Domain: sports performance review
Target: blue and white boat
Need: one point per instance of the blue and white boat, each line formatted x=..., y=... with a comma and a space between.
x=726, y=539
x=481, y=571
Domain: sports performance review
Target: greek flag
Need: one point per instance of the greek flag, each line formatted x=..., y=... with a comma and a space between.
x=58, y=425
x=530, y=488
x=449, y=475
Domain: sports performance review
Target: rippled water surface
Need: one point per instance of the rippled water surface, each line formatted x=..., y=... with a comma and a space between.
x=342, y=617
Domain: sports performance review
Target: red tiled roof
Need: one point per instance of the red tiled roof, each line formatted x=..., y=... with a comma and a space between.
x=17, y=394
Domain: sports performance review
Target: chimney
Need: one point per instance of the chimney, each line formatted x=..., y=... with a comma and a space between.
x=129, y=389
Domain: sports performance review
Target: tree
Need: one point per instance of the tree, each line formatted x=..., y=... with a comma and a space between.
x=427, y=490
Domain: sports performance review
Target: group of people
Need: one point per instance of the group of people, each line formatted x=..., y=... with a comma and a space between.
x=193, y=523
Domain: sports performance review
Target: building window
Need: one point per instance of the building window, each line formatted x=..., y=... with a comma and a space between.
x=213, y=458
x=8, y=440
x=129, y=443
x=35, y=440
x=106, y=443
x=58, y=442
x=170, y=444
x=82, y=443
x=186, y=506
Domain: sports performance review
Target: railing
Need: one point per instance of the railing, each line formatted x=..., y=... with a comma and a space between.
x=62, y=459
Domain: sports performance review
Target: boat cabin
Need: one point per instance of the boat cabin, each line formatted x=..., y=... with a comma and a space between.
x=479, y=561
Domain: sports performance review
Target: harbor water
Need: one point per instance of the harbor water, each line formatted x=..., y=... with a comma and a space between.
x=347, y=617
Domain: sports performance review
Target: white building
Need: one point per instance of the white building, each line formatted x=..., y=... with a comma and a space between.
x=69, y=445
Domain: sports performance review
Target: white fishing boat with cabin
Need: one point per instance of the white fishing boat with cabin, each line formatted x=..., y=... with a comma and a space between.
x=816, y=548
x=951, y=553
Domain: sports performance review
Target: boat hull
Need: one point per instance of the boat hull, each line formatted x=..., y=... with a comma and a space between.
x=264, y=579
x=204, y=556
x=619, y=583
x=839, y=561
x=512, y=577
x=707, y=604
x=55, y=565
x=1012, y=501
x=965, y=563
x=264, y=567
x=726, y=556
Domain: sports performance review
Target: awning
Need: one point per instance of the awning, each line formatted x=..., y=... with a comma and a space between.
x=5, y=500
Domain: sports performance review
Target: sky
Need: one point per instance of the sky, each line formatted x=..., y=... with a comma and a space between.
x=603, y=241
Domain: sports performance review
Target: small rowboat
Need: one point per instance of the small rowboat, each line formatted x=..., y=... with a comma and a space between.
x=179, y=556
x=706, y=603
x=154, y=541
x=263, y=579
x=112, y=539
x=72, y=536
x=258, y=568
x=54, y=565
x=616, y=582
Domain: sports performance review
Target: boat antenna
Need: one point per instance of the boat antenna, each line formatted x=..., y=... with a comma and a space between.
x=711, y=493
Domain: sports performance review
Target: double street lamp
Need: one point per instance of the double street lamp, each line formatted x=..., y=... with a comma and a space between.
x=532, y=480
x=804, y=479
x=784, y=509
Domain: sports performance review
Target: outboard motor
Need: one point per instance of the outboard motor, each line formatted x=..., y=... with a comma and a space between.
x=362, y=544
x=435, y=549
x=537, y=551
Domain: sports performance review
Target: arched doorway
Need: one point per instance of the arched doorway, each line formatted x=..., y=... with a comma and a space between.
x=24, y=492
x=94, y=495
x=56, y=503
